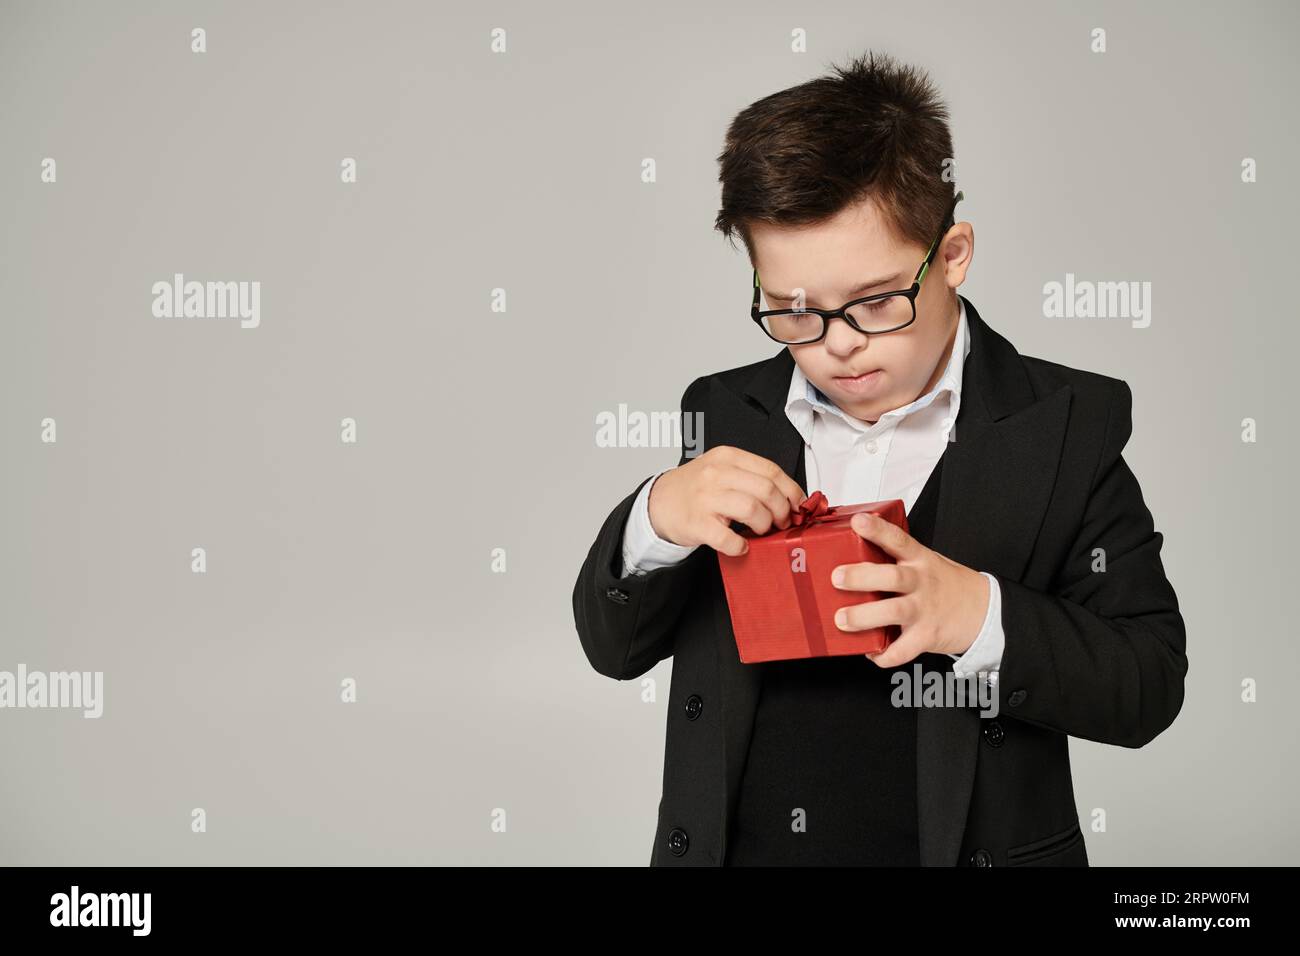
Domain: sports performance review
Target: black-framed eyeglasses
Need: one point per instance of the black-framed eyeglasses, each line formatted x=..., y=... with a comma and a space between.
x=870, y=315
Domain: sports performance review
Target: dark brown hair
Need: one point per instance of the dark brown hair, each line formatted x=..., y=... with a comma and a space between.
x=875, y=129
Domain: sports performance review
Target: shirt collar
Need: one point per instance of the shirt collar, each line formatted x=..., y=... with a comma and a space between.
x=805, y=400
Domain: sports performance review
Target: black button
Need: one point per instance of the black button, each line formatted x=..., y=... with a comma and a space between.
x=994, y=734
x=1017, y=698
x=981, y=857
x=617, y=595
x=677, y=841
x=694, y=705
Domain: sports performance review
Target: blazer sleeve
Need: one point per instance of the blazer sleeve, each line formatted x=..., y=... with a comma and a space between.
x=1102, y=657
x=627, y=624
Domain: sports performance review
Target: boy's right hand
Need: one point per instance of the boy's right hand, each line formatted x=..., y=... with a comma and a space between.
x=695, y=503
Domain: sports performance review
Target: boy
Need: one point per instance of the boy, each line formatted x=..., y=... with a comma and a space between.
x=1031, y=560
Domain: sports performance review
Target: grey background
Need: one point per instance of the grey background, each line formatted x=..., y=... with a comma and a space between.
x=476, y=430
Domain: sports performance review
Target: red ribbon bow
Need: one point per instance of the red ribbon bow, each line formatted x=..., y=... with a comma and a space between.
x=813, y=508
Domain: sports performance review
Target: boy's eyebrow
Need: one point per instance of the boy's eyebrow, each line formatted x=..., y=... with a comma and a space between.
x=854, y=293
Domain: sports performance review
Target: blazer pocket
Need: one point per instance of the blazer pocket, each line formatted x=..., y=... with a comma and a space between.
x=1049, y=846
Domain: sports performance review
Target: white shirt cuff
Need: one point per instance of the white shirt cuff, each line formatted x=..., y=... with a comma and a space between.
x=985, y=653
x=643, y=549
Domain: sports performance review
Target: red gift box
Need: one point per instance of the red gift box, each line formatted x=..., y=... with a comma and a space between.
x=780, y=594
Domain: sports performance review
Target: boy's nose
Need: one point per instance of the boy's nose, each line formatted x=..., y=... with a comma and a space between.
x=842, y=338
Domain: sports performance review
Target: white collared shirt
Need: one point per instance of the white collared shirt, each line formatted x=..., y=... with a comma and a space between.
x=852, y=462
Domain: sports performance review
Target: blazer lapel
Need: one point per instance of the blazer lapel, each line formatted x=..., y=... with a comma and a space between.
x=999, y=472
x=758, y=424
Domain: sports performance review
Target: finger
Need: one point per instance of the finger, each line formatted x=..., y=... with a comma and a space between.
x=902, y=650
x=722, y=539
x=743, y=507
x=874, y=576
x=886, y=535
x=770, y=470
x=871, y=614
x=763, y=488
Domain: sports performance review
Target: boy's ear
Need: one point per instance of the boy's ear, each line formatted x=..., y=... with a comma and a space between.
x=957, y=253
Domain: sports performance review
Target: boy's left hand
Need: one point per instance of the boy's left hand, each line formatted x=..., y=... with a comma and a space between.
x=940, y=605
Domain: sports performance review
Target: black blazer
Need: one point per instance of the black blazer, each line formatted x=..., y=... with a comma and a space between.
x=1033, y=483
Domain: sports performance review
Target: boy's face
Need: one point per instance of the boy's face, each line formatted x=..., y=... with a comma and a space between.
x=829, y=261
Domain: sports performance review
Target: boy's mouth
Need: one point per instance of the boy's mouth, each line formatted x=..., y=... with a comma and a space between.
x=860, y=383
